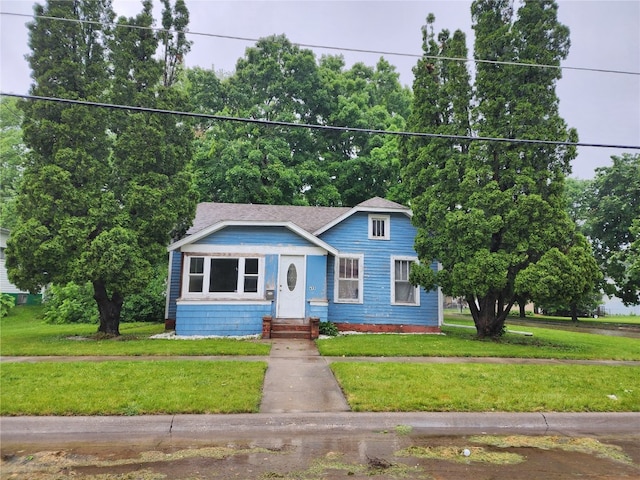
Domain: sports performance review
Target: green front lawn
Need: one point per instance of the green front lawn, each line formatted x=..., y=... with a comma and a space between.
x=131, y=388
x=402, y=387
x=178, y=386
x=452, y=313
x=23, y=332
x=460, y=342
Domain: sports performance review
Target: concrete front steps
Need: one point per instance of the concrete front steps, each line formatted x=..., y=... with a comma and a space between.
x=297, y=328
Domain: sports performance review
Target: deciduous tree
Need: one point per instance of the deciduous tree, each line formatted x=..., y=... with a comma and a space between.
x=613, y=211
x=562, y=280
x=278, y=81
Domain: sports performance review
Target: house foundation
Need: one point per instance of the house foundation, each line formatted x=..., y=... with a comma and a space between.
x=385, y=328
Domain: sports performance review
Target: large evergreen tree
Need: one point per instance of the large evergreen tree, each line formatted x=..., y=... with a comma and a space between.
x=488, y=210
x=102, y=190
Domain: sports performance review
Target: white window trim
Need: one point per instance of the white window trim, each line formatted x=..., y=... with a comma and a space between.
x=393, y=282
x=387, y=226
x=336, y=279
x=209, y=301
x=205, y=295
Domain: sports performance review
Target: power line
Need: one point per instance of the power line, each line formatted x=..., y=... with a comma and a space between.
x=226, y=118
x=342, y=49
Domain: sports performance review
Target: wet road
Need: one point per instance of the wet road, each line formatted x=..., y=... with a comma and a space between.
x=313, y=452
x=327, y=446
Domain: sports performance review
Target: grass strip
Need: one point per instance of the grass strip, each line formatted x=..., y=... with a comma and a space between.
x=24, y=333
x=401, y=387
x=457, y=342
x=130, y=388
x=631, y=319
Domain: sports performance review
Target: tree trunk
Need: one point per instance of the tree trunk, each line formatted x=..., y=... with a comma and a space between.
x=490, y=326
x=109, y=309
x=489, y=315
x=522, y=306
x=574, y=312
x=489, y=322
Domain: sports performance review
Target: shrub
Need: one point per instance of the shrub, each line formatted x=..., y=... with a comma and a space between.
x=73, y=303
x=7, y=302
x=70, y=303
x=148, y=305
x=328, y=328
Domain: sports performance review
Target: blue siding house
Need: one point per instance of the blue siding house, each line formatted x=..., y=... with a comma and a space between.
x=245, y=269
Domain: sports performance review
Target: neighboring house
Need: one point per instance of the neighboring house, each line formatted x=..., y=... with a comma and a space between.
x=22, y=297
x=246, y=269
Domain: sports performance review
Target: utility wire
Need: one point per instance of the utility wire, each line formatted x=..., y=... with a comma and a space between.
x=329, y=47
x=226, y=118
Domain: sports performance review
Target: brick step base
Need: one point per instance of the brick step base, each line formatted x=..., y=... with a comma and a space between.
x=290, y=327
x=291, y=334
x=276, y=327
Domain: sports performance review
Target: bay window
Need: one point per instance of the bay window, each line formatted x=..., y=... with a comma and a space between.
x=224, y=276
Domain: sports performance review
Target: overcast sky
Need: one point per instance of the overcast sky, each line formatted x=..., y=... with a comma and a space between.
x=605, y=34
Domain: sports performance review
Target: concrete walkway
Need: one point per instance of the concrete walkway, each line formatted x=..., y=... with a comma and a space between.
x=299, y=380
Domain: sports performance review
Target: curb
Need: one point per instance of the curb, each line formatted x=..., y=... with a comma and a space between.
x=34, y=430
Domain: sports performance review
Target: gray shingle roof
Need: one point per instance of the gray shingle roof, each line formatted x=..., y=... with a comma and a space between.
x=307, y=218
x=377, y=202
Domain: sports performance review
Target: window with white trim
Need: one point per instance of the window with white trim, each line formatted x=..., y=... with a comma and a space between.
x=196, y=274
x=402, y=292
x=224, y=276
x=379, y=227
x=349, y=279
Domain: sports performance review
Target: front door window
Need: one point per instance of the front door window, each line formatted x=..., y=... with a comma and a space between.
x=292, y=277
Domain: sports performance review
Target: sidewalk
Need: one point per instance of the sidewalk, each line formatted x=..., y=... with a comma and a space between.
x=299, y=380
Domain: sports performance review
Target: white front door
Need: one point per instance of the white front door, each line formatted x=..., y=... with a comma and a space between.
x=291, y=286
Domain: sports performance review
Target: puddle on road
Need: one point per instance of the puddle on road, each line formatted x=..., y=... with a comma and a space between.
x=384, y=455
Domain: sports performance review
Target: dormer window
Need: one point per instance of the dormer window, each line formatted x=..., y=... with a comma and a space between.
x=379, y=227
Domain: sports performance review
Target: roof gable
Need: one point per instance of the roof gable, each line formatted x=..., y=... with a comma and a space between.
x=205, y=232
x=381, y=203
x=373, y=205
